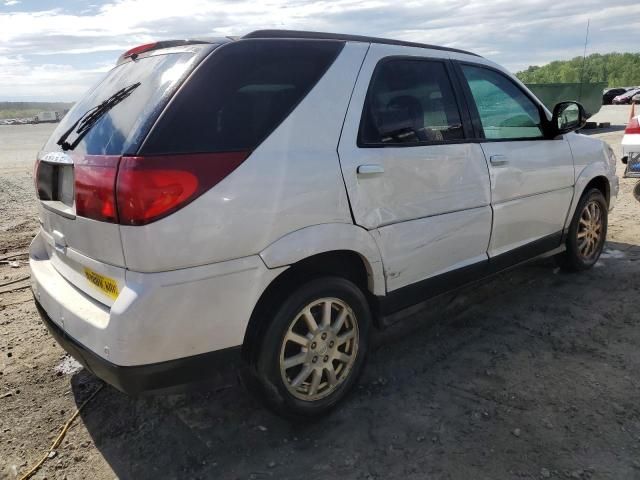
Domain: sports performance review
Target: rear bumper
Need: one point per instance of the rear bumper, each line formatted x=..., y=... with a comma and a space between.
x=163, y=329
x=143, y=378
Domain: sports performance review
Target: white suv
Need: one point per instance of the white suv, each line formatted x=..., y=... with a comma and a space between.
x=271, y=199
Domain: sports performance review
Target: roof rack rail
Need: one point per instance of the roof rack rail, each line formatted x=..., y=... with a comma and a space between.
x=347, y=38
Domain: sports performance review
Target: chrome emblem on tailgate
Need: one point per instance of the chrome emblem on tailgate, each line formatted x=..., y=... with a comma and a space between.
x=58, y=157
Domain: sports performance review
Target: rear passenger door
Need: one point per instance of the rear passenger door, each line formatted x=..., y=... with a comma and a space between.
x=411, y=175
x=532, y=176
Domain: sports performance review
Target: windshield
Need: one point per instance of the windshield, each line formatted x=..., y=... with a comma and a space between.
x=121, y=129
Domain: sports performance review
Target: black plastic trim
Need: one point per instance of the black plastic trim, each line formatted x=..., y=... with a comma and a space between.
x=296, y=34
x=418, y=292
x=415, y=293
x=474, y=117
x=142, y=378
x=526, y=252
x=461, y=99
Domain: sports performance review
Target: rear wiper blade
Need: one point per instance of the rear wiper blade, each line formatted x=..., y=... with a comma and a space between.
x=91, y=117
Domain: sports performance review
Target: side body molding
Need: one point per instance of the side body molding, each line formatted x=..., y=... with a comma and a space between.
x=328, y=237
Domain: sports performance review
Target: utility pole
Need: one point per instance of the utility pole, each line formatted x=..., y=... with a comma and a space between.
x=584, y=60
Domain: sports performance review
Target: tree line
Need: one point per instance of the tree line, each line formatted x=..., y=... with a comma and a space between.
x=616, y=69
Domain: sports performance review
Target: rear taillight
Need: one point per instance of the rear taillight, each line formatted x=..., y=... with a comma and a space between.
x=149, y=188
x=140, y=190
x=95, y=180
x=633, y=126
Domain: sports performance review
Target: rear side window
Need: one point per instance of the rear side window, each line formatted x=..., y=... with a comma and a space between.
x=504, y=110
x=410, y=102
x=122, y=128
x=240, y=94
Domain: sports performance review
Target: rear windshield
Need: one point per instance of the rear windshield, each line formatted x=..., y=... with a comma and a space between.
x=240, y=94
x=123, y=127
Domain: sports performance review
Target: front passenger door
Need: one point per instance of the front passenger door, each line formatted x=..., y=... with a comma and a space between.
x=531, y=176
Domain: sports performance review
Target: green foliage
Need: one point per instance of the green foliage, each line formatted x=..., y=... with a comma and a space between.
x=30, y=109
x=616, y=69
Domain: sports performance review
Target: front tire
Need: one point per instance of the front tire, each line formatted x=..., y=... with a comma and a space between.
x=314, y=348
x=587, y=233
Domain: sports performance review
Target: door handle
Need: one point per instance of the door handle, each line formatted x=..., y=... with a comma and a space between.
x=497, y=160
x=370, y=169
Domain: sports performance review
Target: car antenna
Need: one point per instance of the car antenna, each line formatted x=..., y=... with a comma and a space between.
x=584, y=60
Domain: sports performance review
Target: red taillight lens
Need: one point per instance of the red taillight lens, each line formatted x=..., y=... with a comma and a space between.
x=95, y=180
x=633, y=126
x=149, y=188
x=140, y=190
x=145, y=195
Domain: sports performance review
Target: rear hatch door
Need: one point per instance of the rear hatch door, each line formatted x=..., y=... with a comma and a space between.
x=76, y=186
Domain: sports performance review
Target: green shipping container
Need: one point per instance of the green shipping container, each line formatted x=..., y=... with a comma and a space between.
x=588, y=94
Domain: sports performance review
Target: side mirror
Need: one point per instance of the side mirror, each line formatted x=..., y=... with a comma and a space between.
x=567, y=117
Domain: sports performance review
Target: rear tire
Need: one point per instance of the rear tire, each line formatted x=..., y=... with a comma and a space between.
x=587, y=233
x=314, y=348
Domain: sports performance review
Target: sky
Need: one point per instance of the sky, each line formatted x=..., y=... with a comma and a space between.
x=54, y=50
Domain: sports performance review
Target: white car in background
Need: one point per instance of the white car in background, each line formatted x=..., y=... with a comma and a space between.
x=631, y=149
x=272, y=199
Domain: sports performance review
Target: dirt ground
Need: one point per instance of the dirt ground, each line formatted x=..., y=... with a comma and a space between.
x=531, y=375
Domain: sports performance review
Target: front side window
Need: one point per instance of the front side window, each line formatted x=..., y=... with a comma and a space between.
x=505, y=111
x=410, y=102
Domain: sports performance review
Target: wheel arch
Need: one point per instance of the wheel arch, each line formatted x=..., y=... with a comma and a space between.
x=344, y=250
x=601, y=183
x=310, y=241
x=593, y=176
x=343, y=263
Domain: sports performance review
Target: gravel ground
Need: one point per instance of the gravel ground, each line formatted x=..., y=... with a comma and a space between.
x=531, y=375
x=19, y=145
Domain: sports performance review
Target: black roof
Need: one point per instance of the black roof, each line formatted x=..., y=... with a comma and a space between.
x=346, y=38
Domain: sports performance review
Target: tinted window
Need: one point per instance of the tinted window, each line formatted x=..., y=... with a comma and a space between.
x=240, y=95
x=409, y=102
x=505, y=111
x=122, y=128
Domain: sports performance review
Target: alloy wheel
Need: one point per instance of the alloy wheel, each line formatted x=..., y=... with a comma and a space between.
x=319, y=349
x=590, y=229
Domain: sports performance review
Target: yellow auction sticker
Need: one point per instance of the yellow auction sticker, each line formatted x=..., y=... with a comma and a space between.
x=106, y=285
